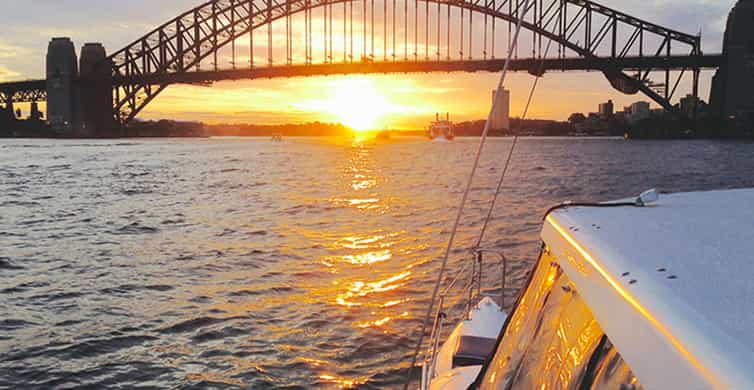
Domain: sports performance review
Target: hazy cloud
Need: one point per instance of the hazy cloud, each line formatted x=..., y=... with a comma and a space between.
x=7, y=74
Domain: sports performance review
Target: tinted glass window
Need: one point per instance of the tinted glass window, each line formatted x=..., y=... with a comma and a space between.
x=612, y=372
x=522, y=325
x=551, y=337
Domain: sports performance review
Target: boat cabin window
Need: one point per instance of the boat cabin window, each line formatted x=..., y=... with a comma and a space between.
x=610, y=371
x=554, y=342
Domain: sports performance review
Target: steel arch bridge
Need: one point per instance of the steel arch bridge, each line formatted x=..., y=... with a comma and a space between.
x=412, y=36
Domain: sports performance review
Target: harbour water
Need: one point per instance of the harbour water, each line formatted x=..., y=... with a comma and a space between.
x=249, y=263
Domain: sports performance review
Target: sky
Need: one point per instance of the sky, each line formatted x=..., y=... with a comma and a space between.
x=388, y=101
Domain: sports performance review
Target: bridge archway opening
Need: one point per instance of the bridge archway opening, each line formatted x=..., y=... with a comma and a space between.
x=367, y=36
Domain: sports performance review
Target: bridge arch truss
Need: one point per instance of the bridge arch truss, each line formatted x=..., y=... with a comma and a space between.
x=415, y=35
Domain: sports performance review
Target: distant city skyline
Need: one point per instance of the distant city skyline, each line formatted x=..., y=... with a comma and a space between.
x=403, y=101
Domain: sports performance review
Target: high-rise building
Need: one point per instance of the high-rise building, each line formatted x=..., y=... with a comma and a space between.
x=733, y=83
x=639, y=112
x=62, y=93
x=606, y=110
x=691, y=105
x=501, y=114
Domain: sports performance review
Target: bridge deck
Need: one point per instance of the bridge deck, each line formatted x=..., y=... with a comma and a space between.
x=361, y=67
x=24, y=85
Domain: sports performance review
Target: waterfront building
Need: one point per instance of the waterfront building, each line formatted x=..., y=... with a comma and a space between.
x=606, y=110
x=639, y=112
x=657, y=113
x=692, y=106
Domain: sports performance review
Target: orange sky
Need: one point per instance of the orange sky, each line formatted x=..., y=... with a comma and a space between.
x=385, y=101
x=367, y=102
x=403, y=101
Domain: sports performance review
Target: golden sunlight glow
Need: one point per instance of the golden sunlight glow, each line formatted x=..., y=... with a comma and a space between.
x=359, y=289
x=361, y=204
x=354, y=242
x=369, y=257
x=394, y=303
x=403, y=102
x=313, y=362
x=358, y=103
x=340, y=382
x=376, y=323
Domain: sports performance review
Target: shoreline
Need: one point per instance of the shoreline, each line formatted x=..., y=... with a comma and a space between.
x=466, y=137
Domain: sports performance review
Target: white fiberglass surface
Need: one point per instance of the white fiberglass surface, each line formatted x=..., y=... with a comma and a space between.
x=485, y=320
x=672, y=279
x=698, y=247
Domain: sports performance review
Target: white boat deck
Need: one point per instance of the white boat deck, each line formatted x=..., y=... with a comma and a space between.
x=485, y=321
x=681, y=273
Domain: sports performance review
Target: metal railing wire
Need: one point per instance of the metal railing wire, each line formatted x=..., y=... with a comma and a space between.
x=472, y=287
x=476, y=276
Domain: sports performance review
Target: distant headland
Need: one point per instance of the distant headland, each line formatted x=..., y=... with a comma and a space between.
x=654, y=124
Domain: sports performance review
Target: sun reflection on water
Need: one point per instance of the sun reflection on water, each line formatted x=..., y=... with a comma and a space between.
x=341, y=382
x=360, y=289
x=395, y=302
x=376, y=323
x=361, y=242
x=363, y=268
x=313, y=362
x=369, y=257
x=360, y=183
x=359, y=203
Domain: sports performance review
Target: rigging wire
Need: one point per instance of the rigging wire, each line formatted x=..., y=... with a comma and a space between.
x=512, y=149
x=482, y=141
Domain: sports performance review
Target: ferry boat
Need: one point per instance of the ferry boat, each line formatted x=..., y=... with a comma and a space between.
x=441, y=130
x=646, y=293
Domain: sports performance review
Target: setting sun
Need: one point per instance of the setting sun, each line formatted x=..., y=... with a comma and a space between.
x=358, y=104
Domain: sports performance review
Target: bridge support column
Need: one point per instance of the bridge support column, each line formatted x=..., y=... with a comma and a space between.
x=96, y=92
x=62, y=94
x=9, y=111
x=7, y=116
x=734, y=81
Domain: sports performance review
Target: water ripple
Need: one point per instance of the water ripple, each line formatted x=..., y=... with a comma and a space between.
x=229, y=263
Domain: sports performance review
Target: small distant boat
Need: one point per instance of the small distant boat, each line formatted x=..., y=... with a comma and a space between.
x=383, y=135
x=441, y=130
x=277, y=138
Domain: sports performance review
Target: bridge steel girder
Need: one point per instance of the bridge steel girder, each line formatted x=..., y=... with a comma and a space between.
x=519, y=65
x=23, y=91
x=169, y=53
x=29, y=96
x=531, y=65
